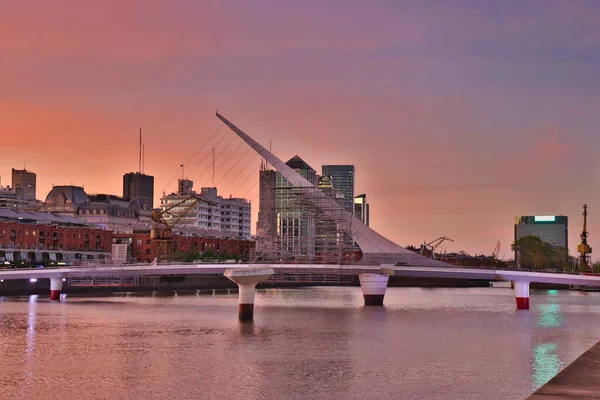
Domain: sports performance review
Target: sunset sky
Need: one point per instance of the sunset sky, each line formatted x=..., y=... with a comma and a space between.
x=458, y=115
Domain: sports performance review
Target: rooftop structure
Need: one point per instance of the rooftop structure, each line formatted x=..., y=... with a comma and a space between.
x=24, y=183
x=9, y=198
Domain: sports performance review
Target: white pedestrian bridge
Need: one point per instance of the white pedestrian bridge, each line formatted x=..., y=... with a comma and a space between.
x=373, y=278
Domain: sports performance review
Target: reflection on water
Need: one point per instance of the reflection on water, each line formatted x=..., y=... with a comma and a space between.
x=550, y=316
x=314, y=342
x=31, y=318
x=546, y=363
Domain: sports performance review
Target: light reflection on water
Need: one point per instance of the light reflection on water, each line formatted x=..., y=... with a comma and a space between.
x=315, y=342
x=546, y=363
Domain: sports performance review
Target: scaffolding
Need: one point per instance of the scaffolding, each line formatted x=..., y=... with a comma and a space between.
x=292, y=229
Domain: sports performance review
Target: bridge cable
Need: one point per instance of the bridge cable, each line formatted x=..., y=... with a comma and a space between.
x=195, y=154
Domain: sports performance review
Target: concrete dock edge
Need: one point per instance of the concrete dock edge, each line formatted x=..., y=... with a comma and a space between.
x=579, y=380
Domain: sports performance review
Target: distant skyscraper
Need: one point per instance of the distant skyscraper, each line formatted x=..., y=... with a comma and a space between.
x=266, y=226
x=361, y=208
x=137, y=186
x=23, y=182
x=342, y=177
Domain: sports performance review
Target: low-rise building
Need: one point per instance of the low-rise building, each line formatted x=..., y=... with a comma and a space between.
x=102, y=210
x=210, y=213
x=141, y=248
x=34, y=237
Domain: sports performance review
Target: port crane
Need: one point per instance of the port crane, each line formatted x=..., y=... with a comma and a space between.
x=162, y=230
x=496, y=252
x=583, y=248
x=428, y=249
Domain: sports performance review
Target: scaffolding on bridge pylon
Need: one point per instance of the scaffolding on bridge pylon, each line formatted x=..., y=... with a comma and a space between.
x=292, y=229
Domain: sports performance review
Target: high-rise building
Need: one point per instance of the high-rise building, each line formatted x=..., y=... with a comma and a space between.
x=137, y=186
x=361, y=208
x=23, y=182
x=342, y=177
x=266, y=226
x=553, y=229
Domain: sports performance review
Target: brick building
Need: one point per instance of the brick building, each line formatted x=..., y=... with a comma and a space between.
x=140, y=248
x=37, y=238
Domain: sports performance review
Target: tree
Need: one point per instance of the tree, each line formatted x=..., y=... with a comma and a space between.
x=188, y=256
x=208, y=254
x=533, y=252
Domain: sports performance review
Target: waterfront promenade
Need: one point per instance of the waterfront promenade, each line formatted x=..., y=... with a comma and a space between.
x=579, y=380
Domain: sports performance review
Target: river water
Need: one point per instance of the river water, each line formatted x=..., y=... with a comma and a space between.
x=317, y=343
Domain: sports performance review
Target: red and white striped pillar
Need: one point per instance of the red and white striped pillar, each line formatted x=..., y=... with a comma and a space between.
x=55, y=288
x=374, y=285
x=522, y=295
x=247, y=279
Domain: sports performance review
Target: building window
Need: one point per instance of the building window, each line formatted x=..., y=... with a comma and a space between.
x=139, y=242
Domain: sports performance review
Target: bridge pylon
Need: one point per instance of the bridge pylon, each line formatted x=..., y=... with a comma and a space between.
x=55, y=288
x=522, y=295
x=374, y=285
x=247, y=279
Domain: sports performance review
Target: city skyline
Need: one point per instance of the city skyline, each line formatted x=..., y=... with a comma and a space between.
x=498, y=122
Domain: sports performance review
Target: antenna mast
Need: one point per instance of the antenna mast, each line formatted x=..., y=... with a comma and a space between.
x=140, y=160
x=213, y=174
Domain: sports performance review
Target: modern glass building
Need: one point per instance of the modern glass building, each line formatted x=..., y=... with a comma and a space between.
x=342, y=177
x=553, y=229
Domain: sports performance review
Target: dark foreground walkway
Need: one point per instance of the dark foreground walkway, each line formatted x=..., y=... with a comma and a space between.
x=580, y=380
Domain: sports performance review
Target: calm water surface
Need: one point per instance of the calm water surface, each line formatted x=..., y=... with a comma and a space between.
x=304, y=343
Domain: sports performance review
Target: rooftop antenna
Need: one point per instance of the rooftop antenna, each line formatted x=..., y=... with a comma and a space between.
x=213, y=174
x=143, y=157
x=140, y=160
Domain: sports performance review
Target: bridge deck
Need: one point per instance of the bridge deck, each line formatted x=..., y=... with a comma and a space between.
x=212, y=269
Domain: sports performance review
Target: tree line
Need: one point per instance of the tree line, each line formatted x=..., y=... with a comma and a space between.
x=534, y=253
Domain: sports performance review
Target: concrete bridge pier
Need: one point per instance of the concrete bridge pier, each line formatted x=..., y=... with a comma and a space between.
x=522, y=295
x=55, y=288
x=374, y=285
x=247, y=279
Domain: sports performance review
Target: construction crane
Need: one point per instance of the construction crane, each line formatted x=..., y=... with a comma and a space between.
x=162, y=230
x=428, y=249
x=584, y=249
x=496, y=252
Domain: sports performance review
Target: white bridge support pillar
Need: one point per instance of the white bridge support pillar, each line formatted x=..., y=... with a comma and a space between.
x=247, y=279
x=55, y=288
x=373, y=286
x=522, y=295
